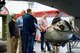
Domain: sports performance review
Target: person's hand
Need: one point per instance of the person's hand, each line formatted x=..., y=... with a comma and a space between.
x=20, y=26
x=46, y=28
x=13, y=38
x=40, y=29
x=33, y=34
x=49, y=26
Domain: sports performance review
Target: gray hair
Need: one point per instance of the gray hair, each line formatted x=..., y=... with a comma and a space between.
x=12, y=15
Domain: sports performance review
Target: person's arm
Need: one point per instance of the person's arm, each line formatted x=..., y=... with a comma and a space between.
x=41, y=26
x=49, y=26
x=11, y=28
x=20, y=25
x=35, y=20
x=36, y=26
x=35, y=23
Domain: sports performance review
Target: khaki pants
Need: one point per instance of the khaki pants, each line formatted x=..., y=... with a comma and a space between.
x=20, y=45
x=14, y=44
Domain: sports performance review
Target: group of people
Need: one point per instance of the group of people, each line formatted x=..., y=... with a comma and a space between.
x=26, y=26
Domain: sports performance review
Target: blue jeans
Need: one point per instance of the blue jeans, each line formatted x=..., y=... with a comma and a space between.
x=28, y=43
x=21, y=34
x=25, y=42
x=42, y=42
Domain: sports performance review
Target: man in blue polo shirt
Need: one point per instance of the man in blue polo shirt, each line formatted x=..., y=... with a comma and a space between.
x=20, y=26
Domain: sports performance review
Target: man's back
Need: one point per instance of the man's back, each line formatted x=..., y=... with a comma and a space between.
x=28, y=24
x=25, y=22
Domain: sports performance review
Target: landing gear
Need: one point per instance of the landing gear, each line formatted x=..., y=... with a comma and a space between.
x=69, y=48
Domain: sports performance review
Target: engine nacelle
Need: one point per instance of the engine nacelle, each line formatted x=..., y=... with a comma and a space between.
x=59, y=33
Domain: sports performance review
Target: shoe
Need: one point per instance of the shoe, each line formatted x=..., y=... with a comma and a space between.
x=53, y=51
x=34, y=51
x=50, y=50
x=43, y=50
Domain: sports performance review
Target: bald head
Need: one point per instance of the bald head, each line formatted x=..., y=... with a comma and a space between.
x=23, y=12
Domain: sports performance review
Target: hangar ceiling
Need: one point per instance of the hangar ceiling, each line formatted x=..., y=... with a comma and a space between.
x=71, y=7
